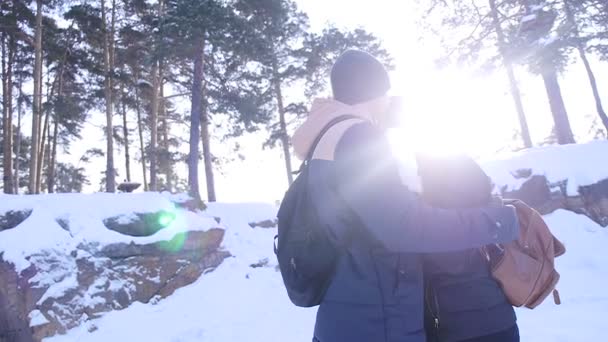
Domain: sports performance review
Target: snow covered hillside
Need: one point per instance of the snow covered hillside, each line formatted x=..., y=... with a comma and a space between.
x=242, y=300
x=68, y=259
x=95, y=273
x=580, y=164
x=240, y=303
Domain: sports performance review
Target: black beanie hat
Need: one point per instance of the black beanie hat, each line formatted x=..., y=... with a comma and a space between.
x=358, y=77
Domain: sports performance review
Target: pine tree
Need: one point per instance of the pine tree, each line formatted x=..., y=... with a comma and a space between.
x=212, y=44
x=508, y=65
x=287, y=54
x=194, y=21
x=480, y=33
x=23, y=72
x=37, y=100
x=573, y=22
x=8, y=47
x=108, y=32
x=514, y=31
x=280, y=28
x=546, y=56
x=133, y=54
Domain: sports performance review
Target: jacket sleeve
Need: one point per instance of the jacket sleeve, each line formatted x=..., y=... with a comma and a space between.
x=368, y=181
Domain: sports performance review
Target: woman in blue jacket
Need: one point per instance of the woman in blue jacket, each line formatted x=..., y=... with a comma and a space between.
x=463, y=301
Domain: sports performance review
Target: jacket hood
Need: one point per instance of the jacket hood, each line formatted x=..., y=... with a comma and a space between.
x=322, y=112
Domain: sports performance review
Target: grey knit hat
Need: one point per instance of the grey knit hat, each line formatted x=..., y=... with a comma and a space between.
x=358, y=77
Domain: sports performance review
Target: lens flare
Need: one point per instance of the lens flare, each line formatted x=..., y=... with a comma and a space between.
x=175, y=245
x=165, y=218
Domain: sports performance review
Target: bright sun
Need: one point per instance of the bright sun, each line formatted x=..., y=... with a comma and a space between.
x=453, y=115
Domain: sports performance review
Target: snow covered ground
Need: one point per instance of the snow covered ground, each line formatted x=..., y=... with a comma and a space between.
x=85, y=215
x=239, y=303
x=234, y=303
x=580, y=164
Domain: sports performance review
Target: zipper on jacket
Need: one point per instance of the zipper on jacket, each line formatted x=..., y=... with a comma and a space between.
x=436, y=313
x=433, y=305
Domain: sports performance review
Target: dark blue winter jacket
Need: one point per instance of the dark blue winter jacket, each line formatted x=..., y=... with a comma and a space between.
x=463, y=300
x=377, y=293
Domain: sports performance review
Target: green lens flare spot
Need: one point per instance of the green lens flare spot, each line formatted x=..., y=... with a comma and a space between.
x=175, y=245
x=165, y=218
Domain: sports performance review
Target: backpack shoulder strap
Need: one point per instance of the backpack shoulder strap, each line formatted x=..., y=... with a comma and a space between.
x=317, y=140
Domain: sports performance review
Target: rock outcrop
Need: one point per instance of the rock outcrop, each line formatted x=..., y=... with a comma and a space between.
x=63, y=288
x=12, y=218
x=546, y=197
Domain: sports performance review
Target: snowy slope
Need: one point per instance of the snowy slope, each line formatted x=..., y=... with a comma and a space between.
x=85, y=214
x=240, y=303
x=581, y=164
x=233, y=303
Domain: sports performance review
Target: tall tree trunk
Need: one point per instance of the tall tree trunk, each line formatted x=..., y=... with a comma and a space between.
x=125, y=134
x=558, y=109
x=140, y=129
x=581, y=51
x=37, y=98
x=514, y=88
x=45, y=145
x=154, y=130
x=53, y=142
x=53, y=161
x=516, y=94
x=110, y=177
x=195, y=119
x=168, y=165
x=4, y=101
x=52, y=137
x=39, y=160
x=48, y=155
x=596, y=93
x=18, y=137
x=7, y=85
x=156, y=81
x=207, y=156
x=43, y=141
x=284, y=137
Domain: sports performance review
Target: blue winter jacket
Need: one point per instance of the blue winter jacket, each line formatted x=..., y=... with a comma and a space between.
x=377, y=293
x=463, y=300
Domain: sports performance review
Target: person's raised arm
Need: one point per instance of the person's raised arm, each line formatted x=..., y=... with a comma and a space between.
x=368, y=181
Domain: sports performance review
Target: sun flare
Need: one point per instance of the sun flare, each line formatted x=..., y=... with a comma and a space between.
x=452, y=115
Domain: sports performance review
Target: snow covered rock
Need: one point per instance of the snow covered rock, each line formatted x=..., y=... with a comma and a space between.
x=77, y=257
x=556, y=177
x=595, y=201
x=264, y=224
x=12, y=218
x=140, y=224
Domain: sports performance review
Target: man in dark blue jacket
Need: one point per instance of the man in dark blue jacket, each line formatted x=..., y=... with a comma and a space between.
x=377, y=293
